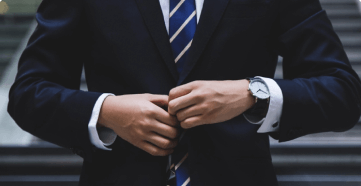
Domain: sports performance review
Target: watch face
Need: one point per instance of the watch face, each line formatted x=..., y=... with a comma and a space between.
x=259, y=89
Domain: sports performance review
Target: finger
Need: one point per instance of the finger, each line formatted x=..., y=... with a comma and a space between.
x=192, y=122
x=190, y=112
x=154, y=150
x=165, y=130
x=159, y=100
x=180, y=91
x=161, y=142
x=164, y=117
x=181, y=102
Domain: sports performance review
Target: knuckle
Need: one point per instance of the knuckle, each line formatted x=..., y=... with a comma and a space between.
x=172, y=104
x=196, y=82
x=190, y=123
x=146, y=95
x=153, y=152
x=138, y=132
x=198, y=96
x=172, y=91
x=179, y=115
x=166, y=144
x=144, y=124
x=162, y=153
x=149, y=111
x=185, y=125
x=204, y=107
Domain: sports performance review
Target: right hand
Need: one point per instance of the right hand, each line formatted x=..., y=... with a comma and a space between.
x=140, y=120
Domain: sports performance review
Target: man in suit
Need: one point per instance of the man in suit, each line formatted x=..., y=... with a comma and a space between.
x=193, y=60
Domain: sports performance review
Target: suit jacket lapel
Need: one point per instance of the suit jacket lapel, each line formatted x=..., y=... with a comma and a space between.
x=153, y=17
x=211, y=14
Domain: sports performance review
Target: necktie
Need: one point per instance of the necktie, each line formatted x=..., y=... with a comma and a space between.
x=182, y=26
x=179, y=168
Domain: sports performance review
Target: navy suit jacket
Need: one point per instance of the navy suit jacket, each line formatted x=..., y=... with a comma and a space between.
x=124, y=48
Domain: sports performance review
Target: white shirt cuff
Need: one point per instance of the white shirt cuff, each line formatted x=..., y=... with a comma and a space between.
x=270, y=123
x=100, y=137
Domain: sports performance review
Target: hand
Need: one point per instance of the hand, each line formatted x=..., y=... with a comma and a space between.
x=207, y=102
x=140, y=120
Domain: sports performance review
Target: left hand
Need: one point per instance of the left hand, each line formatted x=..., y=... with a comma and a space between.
x=207, y=102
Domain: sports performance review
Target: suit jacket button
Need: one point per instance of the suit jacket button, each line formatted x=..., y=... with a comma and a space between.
x=275, y=125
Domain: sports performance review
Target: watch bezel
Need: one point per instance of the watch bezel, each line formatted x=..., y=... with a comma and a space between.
x=254, y=80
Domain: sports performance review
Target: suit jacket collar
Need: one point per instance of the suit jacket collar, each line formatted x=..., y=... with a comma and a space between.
x=153, y=18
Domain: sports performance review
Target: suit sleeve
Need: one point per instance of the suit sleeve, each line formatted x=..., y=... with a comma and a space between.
x=45, y=99
x=321, y=91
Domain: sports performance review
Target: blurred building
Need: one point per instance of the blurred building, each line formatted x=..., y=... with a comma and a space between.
x=326, y=159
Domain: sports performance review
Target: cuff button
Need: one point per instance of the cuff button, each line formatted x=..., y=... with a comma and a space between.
x=275, y=125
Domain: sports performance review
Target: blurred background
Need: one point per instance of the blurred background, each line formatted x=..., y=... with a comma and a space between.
x=326, y=159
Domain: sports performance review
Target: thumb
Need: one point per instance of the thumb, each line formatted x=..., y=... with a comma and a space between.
x=159, y=100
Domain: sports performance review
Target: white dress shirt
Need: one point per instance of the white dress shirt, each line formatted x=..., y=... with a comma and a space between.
x=102, y=137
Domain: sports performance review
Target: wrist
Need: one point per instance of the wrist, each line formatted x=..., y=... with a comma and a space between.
x=99, y=125
x=105, y=109
x=248, y=94
x=258, y=89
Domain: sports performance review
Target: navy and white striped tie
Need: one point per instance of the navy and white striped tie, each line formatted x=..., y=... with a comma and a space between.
x=182, y=26
x=180, y=166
